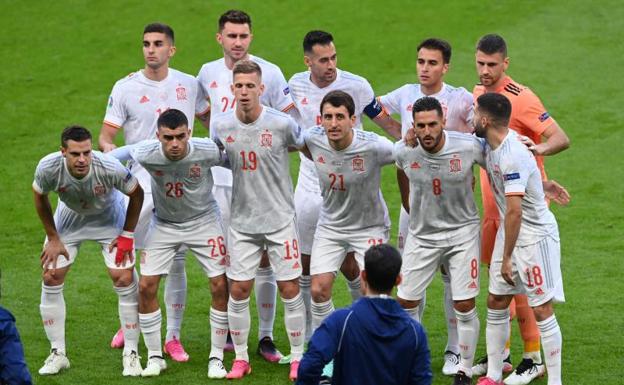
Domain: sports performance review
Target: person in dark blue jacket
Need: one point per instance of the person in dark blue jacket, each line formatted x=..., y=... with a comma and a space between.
x=374, y=341
x=13, y=369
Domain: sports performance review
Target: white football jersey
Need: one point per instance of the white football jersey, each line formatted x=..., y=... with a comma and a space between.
x=182, y=189
x=307, y=97
x=136, y=102
x=262, y=193
x=442, y=206
x=94, y=195
x=457, y=105
x=215, y=81
x=512, y=170
x=350, y=180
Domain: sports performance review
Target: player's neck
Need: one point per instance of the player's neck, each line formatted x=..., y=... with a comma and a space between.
x=431, y=90
x=496, y=136
x=229, y=62
x=343, y=143
x=156, y=74
x=250, y=116
x=319, y=82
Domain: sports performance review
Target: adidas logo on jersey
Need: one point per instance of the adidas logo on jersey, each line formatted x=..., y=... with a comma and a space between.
x=415, y=166
x=144, y=99
x=304, y=101
x=229, y=139
x=320, y=159
x=296, y=265
x=213, y=84
x=473, y=285
x=539, y=291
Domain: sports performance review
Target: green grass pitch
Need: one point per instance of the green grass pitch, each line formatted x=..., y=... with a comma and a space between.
x=62, y=58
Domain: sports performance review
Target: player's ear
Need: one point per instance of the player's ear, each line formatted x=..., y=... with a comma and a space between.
x=172, y=51
x=307, y=61
x=445, y=68
x=219, y=38
x=399, y=279
x=505, y=63
x=63, y=150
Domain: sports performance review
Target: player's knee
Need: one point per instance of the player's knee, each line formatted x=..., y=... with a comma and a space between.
x=498, y=302
x=122, y=278
x=148, y=287
x=464, y=306
x=320, y=291
x=543, y=311
x=408, y=304
x=219, y=290
x=53, y=277
x=240, y=291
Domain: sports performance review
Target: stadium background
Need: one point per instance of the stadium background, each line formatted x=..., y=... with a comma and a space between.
x=62, y=58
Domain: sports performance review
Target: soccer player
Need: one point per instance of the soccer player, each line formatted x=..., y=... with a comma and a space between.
x=530, y=119
x=134, y=105
x=185, y=215
x=257, y=139
x=348, y=163
x=444, y=221
x=90, y=187
x=307, y=90
x=526, y=255
x=215, y=79
x=434, y=57
x=374, y=341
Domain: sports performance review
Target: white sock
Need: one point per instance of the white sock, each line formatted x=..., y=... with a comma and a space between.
x=354, y=288
x=320, y=311
x=421, y=307
x=266, y=292
x=294, y=319
x=536, y=357
x=496, y=334
x=218, y=332
x=239, y=322
x=414, y=313
x=468, y=336
x=304, y=289
x=175, y=296
x=551, y=343
x=150, y=328
x=452, y=339
x=129, y=315
x=52, y=310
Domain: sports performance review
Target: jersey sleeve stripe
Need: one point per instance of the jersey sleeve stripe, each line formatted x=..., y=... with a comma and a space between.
x=112, y=124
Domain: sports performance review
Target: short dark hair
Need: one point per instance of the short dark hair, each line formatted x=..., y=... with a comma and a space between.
x=246, y=67
x=383, y=265
x=339, y=98
x=438, y=45
x=160, y=28
x=496, y=106
x=172, y=119
x=491, y=44
x=313, y=38
x=75, y=133
x=427, y=103
x=234, y=16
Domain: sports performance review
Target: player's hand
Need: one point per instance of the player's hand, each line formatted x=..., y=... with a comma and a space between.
x=51, y=251
x=410, y=138
x=107, y=147
x=125, y=248
x=536, y=149
x=556, y=192
x=507, y=272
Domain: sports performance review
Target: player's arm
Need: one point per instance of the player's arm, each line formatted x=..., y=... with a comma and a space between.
x=306, y=151
x=107, y=137
x=404, y=188
x=389, y=125
x=125, y=241
x=133, y=211
x=204, y=119
x=513, y=219
x=54, y=246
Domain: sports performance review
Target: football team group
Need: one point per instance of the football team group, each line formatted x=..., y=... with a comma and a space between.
x=228, y=199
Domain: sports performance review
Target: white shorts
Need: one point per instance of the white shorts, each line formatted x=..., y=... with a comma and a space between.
x=282, y=247
x=420, y=264
x=403, y=229
x=204, y=238
x=536, y=271
x=223, y=196
x=74, y=229
x=331, y=248
x=308, y=206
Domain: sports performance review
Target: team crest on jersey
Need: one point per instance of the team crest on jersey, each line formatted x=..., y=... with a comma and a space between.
x=195, y=171
x=99, y=189
x=357, y=164
x=455, y=165
x=266, y=139
x=320, y=159
x=181, y=93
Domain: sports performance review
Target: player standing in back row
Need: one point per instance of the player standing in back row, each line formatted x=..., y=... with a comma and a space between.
x=257, y=139
x=135, y=104
x=308, y=89
x=215, y=80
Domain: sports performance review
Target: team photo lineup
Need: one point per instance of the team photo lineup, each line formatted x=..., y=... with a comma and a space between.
x=198, y=165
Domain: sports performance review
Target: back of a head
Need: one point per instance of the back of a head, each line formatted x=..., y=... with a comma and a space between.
x=234, y=16
x=313, y=38
x=160, y=28
x=438, y=45
x=491, y=44
x=383, y=265
x=496, y=106
x=172, y=119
